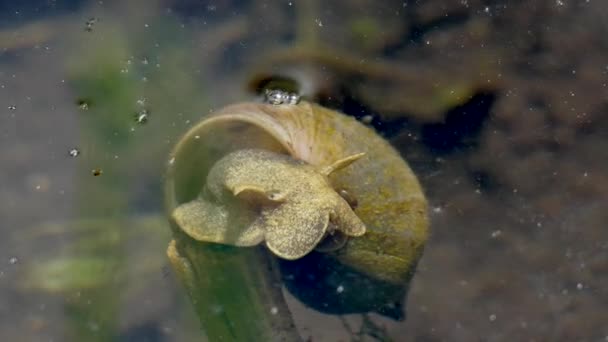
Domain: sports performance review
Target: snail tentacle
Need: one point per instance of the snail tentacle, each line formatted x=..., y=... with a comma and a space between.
x=341, y=163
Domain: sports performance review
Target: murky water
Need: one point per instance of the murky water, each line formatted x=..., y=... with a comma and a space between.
x=499, y=107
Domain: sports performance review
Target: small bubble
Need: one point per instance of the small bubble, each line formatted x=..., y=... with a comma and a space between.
x=171, y=161
x=319, y=22
x=97, y=172
x=579, y=286
x=293, y=99
x=12, y=107
x=274, y=310
x=340, y=289
x=437, y=210
x=559, y=3
x=142, y=116
x=13, y=260
x=492, y=317
x=74, y=152
x=496, y=233
x=274, y=97
x=141, y=102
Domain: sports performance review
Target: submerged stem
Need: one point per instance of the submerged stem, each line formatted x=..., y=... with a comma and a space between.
x=236, y=292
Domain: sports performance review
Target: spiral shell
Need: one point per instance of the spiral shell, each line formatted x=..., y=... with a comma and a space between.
x=298, y=177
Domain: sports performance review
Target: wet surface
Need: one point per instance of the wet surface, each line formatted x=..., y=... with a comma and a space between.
x=500, y=109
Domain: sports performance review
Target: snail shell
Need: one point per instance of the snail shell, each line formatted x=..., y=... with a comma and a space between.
x=300, y=177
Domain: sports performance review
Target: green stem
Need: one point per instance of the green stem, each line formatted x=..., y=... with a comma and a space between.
x=236, y=292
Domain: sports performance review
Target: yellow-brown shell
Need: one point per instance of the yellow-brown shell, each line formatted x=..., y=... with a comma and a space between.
x=390, y=201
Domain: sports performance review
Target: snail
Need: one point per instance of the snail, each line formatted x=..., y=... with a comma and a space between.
x=332, y=200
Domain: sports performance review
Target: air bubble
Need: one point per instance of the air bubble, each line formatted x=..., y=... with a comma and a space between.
x=74, y=152
x=142, y=116
x=12, y=107
x=13, y=260
x=279, y=97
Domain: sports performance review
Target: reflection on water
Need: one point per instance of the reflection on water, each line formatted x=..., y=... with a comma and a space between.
x=500, y=110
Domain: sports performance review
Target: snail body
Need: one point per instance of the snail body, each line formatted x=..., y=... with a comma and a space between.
x=333, y=200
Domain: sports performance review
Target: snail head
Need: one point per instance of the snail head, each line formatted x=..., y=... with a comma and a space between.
x=253, y=196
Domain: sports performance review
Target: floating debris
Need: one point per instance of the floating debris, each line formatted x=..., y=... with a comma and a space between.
x=74, y=152
x=142, y=116
x=279, y=97
x=13, y=260
x=89, y=24
x=83, y=104
x=97, y=172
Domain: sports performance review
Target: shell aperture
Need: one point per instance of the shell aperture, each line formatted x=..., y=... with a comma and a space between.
x=255, y=195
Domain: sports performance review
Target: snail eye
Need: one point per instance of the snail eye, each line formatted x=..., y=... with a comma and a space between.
x=276, y=195
x=349, y=198
x=257, y=197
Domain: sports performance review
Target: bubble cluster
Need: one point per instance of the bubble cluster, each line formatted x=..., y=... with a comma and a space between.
x=279, y=97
